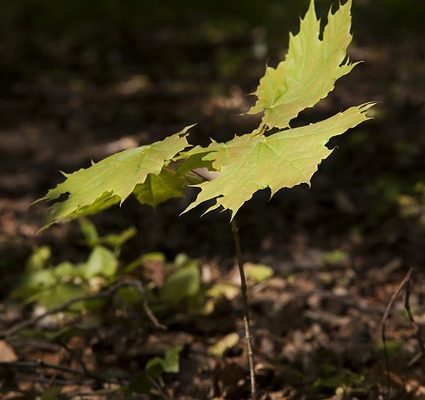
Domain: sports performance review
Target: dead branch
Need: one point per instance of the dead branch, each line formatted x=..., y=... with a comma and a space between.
x=384, y=321
x=31, y=366
x=416, y=326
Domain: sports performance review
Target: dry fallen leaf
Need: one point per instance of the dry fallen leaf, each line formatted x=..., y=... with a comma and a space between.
x=7, y=354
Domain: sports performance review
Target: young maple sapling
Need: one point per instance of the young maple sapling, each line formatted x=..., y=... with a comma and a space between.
x=273, y=156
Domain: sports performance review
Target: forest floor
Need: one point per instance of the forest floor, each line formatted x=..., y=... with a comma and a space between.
x=330, y=257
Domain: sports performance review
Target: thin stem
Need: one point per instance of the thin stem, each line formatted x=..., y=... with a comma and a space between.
x=246, y=316
x=261, y=129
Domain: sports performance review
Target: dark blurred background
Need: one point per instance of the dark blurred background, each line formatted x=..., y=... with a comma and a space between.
x=82, y=79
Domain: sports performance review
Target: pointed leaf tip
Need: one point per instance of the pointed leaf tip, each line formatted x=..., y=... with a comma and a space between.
x=286, y=90
x=113, y=179
x=284, y=159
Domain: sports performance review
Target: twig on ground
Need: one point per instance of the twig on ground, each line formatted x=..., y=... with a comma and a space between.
x=159, y=389
x=416, y=326
x=347, y=300
x=102, y=294
x=384, y=327
x=80, y=362
x=56, y=382
x=91, y=395
x=246, y=316
x=139, y=286
x=31, y=366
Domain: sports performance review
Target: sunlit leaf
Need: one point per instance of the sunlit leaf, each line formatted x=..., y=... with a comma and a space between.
x=258, y=272
x=284, y=159
x=226, y=342
x=310, y=69
x=222, y=289
x=112, y=179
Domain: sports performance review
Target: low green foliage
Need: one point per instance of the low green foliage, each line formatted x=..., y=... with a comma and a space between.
x=335, y=257
x=113, y=240
x=246, y=164
x=52, y=285
x=341, y=380
x=183, y=283
x=49, y=285
x=152, y=376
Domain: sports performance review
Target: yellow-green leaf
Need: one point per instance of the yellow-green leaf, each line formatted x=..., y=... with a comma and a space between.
x=310, y=69
x=112, y=179
x=226, y=342
x=258, y=272
x=285, y=159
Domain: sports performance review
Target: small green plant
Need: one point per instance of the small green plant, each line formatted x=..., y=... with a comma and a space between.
x=48, y=286
x=342, y=381
x=151, y=378
x=51, y=285
x=273, y=156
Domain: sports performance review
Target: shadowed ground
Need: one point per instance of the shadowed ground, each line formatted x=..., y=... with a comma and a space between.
x=81, y=81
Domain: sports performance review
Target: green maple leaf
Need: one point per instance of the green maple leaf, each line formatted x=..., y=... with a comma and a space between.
x=253, y=162
x=284, y=159
x=215, y=155
x=114, y=178
x=310, y=69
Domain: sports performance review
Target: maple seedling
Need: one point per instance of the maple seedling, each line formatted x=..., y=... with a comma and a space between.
x=273, y=156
